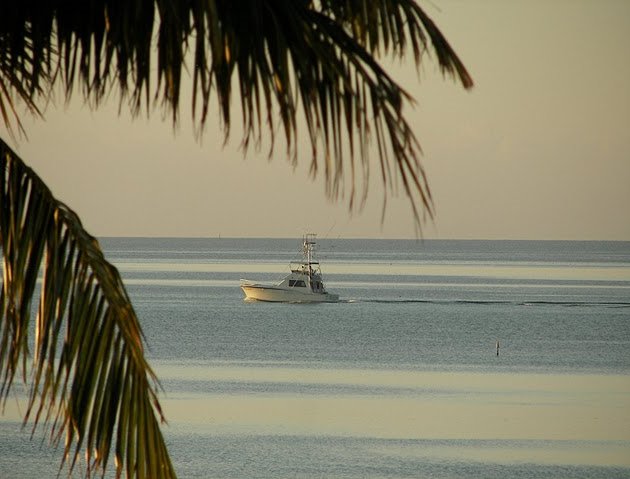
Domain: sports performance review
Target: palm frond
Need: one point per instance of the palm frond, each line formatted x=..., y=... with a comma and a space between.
x=287, y=57
x=318, y=59
x=88, y=377
x=18, y=83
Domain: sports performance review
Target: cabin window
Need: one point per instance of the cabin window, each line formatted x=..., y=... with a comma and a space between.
x=299, y=283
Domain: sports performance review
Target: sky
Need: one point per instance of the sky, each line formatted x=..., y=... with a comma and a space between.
x=538, y=149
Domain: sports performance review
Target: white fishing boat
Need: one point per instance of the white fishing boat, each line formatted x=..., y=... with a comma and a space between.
x=303, y=285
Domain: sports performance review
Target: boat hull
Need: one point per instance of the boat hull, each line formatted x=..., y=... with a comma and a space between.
x=260, y=292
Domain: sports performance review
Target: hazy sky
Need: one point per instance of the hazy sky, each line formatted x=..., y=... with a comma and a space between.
x=539, y=149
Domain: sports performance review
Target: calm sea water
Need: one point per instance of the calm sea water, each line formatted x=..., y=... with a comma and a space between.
x=399, y=379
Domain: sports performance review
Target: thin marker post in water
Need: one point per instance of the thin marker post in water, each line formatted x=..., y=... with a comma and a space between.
x=497, y=347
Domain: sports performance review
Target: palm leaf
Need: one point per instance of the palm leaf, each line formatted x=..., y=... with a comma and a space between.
x=290, y=59
x=88, y=345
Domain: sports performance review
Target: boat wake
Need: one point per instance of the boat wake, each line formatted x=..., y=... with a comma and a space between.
x=492, y=302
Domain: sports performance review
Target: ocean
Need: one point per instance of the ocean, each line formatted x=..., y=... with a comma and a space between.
x=399, y=379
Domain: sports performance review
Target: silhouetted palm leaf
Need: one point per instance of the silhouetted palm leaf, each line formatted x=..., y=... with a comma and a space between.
x=88, y=377
x=285, y=56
